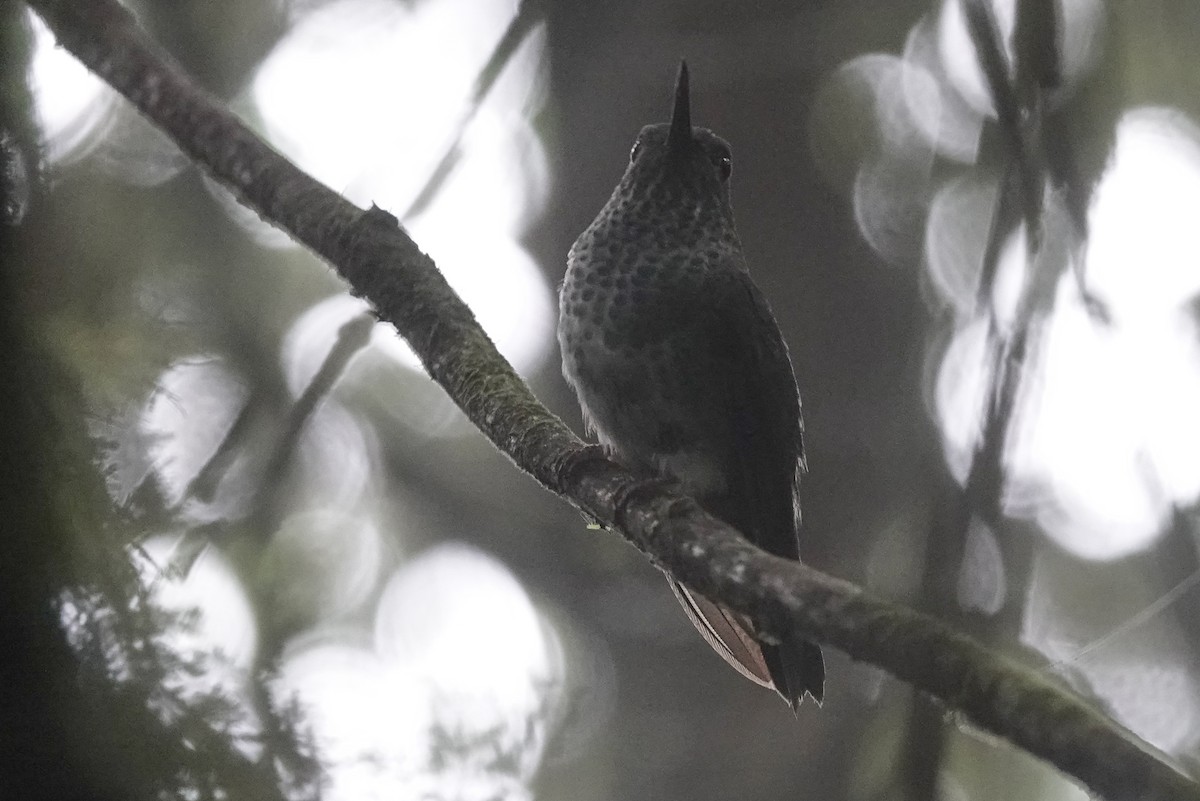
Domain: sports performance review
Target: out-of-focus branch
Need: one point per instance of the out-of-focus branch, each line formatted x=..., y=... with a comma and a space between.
x=529, y=14
x=1013, y=118
x=1019, y=97
x=380, y=262
x=1037, y=42
x=1016, y=95
x=352, y=337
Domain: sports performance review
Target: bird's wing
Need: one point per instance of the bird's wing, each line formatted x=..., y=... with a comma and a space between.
x=763, y=451
x=764, y=441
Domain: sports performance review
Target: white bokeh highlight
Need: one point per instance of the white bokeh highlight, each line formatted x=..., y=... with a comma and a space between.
x=193, y=406
x=951, y=126
x=1112, y=423
x=384, y=377
x=454, y=697
x=222, y=639
x=368, y=95
x=1081, y=24
x=956, y=234
x=1141, y=666
x=322, y=565
x=71, y=103
x=463, y=624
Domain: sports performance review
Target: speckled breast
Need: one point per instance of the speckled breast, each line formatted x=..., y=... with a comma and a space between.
x=627, y=351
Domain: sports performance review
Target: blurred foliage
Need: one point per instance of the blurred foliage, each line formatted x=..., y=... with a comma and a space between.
x=160, y=390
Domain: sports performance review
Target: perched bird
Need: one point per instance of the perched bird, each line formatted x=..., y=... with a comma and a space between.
x=681, y=370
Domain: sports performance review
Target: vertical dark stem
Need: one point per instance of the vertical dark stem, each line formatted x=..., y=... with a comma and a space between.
x=1016, y=95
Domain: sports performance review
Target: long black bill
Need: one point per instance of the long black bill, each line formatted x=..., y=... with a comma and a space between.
x=680, y=137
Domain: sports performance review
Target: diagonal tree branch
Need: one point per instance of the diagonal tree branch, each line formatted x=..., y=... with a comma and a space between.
x=381, y=263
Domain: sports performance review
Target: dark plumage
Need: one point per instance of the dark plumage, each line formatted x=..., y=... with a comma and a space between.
x=680, y=367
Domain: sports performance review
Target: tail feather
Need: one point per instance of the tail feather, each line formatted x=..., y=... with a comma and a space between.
x=797, y=668
x=726, y=634
x=794, y=667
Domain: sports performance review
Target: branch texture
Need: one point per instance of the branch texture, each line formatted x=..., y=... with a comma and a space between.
x=382, y=264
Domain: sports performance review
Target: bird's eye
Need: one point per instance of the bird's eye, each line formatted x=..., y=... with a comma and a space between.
x=724, y=167
x=633, y=152
x=722, y=159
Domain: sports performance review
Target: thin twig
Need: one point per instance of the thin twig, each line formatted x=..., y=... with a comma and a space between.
x=352, y=337
x=203, y=487
x=529, y=13
x=1012, y=118
x=1018, y=97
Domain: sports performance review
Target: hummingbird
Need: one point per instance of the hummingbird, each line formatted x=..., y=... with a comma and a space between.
x=681, y=370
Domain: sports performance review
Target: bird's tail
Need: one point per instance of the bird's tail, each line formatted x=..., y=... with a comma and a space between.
x=794, y=667
x=797, y=668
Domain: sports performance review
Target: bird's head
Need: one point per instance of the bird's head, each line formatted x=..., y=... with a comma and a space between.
x=675, y=161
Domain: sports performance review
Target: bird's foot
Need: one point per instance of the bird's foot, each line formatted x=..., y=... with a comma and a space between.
x=632, y=495
x=579, y=462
